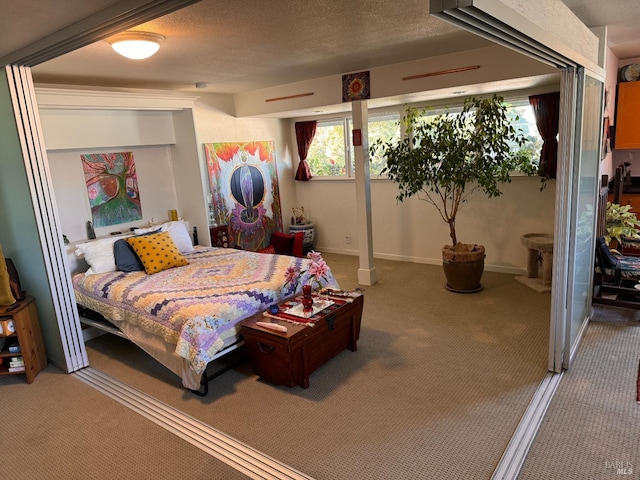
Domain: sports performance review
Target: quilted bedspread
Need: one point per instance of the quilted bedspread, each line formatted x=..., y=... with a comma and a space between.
x=196, y=307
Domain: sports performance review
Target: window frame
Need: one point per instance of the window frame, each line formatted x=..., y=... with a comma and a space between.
x=399, y=111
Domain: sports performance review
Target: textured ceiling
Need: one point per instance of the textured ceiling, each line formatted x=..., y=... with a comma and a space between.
x=265, y=44
x=622, y=18
x=240, y=46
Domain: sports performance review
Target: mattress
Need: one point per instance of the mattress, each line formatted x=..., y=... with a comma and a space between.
x=193, y=311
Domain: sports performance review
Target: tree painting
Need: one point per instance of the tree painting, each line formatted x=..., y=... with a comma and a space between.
x=112, y=187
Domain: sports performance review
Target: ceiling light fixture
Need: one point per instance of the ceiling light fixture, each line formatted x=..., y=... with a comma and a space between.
x=136, y=45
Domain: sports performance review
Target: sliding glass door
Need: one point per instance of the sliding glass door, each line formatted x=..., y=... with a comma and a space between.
x=584, y=186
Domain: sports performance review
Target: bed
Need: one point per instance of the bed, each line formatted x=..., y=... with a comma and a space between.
x=186, y=316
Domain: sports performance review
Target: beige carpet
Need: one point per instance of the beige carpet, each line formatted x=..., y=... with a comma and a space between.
x=60, y=428
x=435, y=390
x=592, y=428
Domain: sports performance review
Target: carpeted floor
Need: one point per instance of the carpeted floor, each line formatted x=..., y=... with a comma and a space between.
x=592, y=427
x=435, y=390
x=60, y=428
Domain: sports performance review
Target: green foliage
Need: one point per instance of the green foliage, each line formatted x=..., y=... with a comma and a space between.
x=326, y=155
x=448, y=157
x=381, y=129
x=620, y=222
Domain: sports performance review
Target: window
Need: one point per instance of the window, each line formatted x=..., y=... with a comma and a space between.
x=327, y=153
x=523, y=118
x=526, y=122
x=331, y=152
x=381, y=126
x=330, y=149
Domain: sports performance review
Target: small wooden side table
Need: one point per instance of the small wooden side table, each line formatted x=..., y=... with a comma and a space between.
x=27, y=336
x=219, y=236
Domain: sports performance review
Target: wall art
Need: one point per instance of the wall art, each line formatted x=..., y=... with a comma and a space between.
x=244, y=191
x=112, y=187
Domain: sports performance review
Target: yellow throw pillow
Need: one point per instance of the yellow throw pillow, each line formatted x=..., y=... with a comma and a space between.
x=157, y=252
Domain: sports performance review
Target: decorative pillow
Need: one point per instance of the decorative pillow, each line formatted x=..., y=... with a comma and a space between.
x=282, y=243
x=267, y=249
x=179, y=235
x=157, y=252
x=98, y=254
x=177, y=230
x=126, y=258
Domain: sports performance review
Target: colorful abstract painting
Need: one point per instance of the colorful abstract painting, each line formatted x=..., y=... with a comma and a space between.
x=356, y=86
x=245, y=193
x=112, y=187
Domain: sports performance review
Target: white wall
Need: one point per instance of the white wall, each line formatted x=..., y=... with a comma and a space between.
x=214, y=123
x=413, y=230
x=611, y=67
x=65, y=128
x=497, y=65
x=168, y=149
x=155, y=182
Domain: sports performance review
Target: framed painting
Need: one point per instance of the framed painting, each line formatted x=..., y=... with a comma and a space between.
x=244, y=191
x=112, y=188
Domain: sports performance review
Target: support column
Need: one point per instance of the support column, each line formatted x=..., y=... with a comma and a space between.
x=367, y=274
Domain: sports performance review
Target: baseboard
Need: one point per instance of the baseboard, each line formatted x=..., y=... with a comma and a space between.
x=426, y=261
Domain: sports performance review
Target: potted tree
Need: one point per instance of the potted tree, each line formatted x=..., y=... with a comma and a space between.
x=443, y=159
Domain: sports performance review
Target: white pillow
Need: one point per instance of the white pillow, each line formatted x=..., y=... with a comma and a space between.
x=154, y=228
x=180, y=235
x=177, y=231
x=98, y=254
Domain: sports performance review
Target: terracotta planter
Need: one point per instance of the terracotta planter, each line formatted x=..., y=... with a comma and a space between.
x=463, y=267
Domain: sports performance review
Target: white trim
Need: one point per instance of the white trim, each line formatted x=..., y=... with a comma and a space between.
x=505, y=26
x=46, y=217
x=514, y=455
x=562, y=220
x=423, y=260
x=62, y=98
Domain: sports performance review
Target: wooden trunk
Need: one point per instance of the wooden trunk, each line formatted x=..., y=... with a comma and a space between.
x=288, y=358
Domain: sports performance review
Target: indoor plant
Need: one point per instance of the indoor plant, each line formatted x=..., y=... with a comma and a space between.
x=448, y=157
x=620, y=224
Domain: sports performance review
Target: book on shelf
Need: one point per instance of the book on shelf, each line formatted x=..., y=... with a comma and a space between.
x=14, y=348
x=17, y=359
x=17, y=369
x=19, y=363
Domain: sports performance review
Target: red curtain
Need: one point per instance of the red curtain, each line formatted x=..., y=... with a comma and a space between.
x=304, y=136
x=546, y=108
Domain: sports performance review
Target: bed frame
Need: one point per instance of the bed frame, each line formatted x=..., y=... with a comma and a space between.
x=98, y=322
x=95, y=320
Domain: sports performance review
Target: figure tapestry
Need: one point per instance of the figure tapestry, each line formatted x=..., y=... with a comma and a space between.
x=245, y=193
x=112, y=187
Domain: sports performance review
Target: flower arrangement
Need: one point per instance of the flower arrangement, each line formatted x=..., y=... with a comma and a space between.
x=316, y=273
